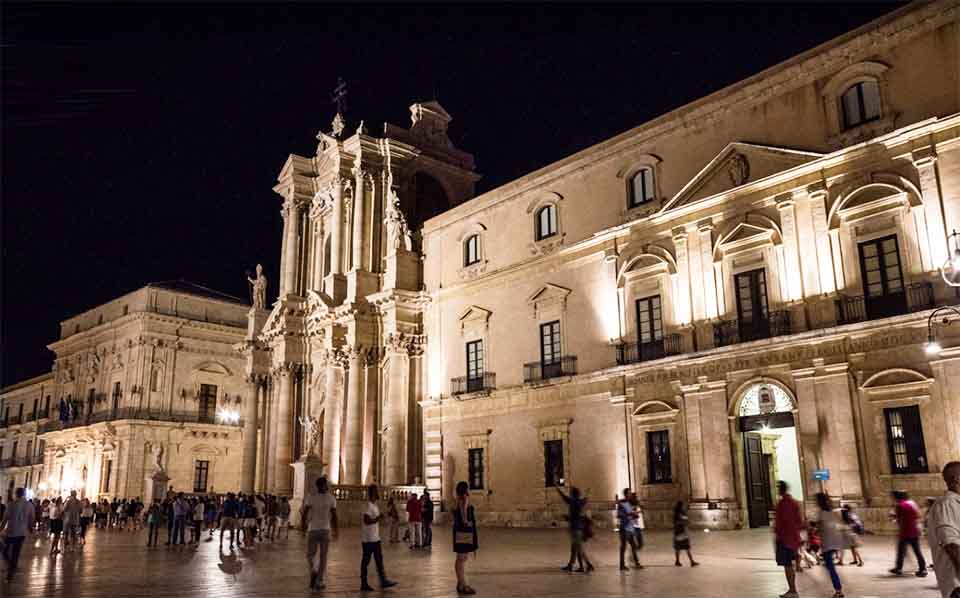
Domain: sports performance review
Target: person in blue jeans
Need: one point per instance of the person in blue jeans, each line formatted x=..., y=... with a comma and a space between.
x=180, y=510
x=832, y=538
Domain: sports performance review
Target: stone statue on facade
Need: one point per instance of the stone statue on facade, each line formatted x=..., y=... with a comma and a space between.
x=158, y=456
x=259, y=285
x=397, y=228
x=311, y=429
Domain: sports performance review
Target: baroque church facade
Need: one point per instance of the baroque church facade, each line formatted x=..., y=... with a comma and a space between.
x=755, y=286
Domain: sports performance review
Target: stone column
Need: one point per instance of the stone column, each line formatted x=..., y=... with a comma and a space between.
x=283, y=475
x=336, y=228
x=359, y=201
x=925, y=161
x=353, y=436
x=248, y=473
x=682, y=295
x=291, y=221
x=817, y=196
x=705, y=232
x=395, y=412
x=263, y=408
x=791, y=255
x=333, y=415
x=272, y=436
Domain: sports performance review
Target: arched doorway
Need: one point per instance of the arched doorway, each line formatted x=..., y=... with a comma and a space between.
x=765, y=418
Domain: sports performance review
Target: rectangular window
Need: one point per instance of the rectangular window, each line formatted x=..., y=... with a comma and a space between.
x=882, y=278
x=91, y=398
x=553, y=473
x=13, y=449
x=200, y=473
x=471, y=250
x=474, y=365
x=105, y=475
x=155, y=380
x=658, y=457
x=46, y=407
x=20, y=414
x=475, y=458
x=36, y=405
x=905, y=440
x=208, y=402
x=649, y=328
x=550, y=349
x=29, y=449
x=117, y=395
x=641, y=187
x=752, y=318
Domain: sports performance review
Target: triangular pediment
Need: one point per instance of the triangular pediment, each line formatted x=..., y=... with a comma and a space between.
x=549, y=292
x=738, y=164
x=475, y=313
x=745, y=232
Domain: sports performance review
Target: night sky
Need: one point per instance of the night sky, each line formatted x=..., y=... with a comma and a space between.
x=141, y=143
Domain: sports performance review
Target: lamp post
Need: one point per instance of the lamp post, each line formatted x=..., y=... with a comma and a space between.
x=950, y=270
x=941, y=316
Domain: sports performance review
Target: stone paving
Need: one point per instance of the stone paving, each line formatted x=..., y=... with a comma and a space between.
x=511, y=562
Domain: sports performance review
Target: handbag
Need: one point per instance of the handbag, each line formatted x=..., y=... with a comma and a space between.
x=463, y=538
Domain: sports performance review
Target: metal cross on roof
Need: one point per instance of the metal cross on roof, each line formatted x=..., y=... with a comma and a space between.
x=339, y=96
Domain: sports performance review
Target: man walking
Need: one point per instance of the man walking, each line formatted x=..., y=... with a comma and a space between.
x=18, y=519
x=944, y=533
x=370, y=541
x=228, y=518
x=321, y=515
x=414, y=517
x=427, y=516
x=787, y=523
x=907, y=515
x=625, y=520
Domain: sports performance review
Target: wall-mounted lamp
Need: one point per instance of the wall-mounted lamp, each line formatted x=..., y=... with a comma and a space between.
x=941, y=316
x=950, y=270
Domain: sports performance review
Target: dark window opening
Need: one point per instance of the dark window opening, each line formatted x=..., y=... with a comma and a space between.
x=860, y=104
x=474, y=366
x=546, y=222
x=475, y=459
x=641, y=187
x=208, y=402
x=471, y=250
x=553, y=463
x=658, y=457
x=200, y=473
x=905, y=440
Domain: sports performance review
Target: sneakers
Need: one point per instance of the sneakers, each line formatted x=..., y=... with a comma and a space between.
x=387, y=584
x=921, y=573
x=896, y=572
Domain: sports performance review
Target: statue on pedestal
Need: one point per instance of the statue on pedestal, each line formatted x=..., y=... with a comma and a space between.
x=259, y=291
x=158, y=456
x=311, y=428
x=397, y=228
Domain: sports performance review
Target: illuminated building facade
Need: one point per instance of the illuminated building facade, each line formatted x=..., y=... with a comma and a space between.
x=733, y=293
x=148, y=382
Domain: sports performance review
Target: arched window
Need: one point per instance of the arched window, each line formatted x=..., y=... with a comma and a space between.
x=155, y=380
x=471, y=250
x=641, y=187
x=546, y=221
x=860, y=103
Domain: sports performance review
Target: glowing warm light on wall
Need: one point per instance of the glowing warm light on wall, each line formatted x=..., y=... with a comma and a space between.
x=608, y=311
x=228, y=416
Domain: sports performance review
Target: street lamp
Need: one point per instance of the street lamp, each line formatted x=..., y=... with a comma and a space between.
x=950, y=270
x=940, y=316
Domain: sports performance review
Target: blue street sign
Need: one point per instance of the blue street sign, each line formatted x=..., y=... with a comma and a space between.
x=821, y=475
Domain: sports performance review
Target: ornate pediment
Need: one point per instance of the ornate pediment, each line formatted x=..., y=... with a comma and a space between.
x=738, y=164
x=548, y=296
x=474, y=318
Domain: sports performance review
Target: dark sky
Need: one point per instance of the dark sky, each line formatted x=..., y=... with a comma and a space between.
x=141, y=143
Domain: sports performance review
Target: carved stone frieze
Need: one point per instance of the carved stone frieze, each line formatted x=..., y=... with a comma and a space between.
x=401, y=342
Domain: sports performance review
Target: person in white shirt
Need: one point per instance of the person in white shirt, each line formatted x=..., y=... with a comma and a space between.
x=320, y=511
x=370, y=541
x=18, y=519
x=944, y=533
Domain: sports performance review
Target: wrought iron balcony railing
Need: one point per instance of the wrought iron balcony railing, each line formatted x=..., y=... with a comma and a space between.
x=670, y=344
x=538, y=370
x=4, y=463
x=917, y=296
x=466, y=384
x=731, y=332
x=192, y=417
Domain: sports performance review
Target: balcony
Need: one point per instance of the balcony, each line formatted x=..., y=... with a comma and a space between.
x=731, y=332
x=538, y=371
x=859, y=308
x=670, y=344
x=191, y=417
x=464, y=384
x=4, y=463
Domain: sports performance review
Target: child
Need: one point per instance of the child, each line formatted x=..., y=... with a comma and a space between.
x=855, y=525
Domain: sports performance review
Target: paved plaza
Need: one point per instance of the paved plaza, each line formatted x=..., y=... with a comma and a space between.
x=511, y=562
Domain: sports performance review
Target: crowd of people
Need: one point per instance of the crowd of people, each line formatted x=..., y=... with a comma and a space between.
x=799, y=544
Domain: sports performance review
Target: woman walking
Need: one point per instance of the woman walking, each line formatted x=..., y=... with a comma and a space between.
x=855, y=525
x=681, y=537
x=56, y=525
x=832, y=538
x=86, y=516
x=464, y=536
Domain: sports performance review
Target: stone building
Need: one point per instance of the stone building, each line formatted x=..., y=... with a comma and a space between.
x=735, y=292
x=148, y=382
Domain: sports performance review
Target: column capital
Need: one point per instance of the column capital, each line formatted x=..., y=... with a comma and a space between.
x=924, y=157
x=411, y=344
x=784, y=200
x=817, y=190
x=705, y=225
x=679, y=233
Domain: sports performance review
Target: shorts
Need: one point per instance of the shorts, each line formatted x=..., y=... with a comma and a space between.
x=785, y=556
x=56, y=525
x=228, y=523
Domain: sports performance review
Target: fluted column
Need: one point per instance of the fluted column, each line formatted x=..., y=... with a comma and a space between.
x=791, y=250
x=291, y=224
x=263, y=409
x=336, y=228
x=353, y=435
x=333, y=415
x=272, y=436
x=395, y=412
x=359, y=201
x=925, y=161
x=284, y=443
x=248, y=472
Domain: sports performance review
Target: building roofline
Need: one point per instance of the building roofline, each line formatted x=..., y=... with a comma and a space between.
x=707, y=105
x=25, y=383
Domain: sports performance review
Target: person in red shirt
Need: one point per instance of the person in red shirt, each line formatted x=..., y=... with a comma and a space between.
x=787, y=523
x=907, y=515
x=414, y=511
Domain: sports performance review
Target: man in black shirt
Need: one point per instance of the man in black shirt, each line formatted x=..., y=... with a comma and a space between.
x=427, y=517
